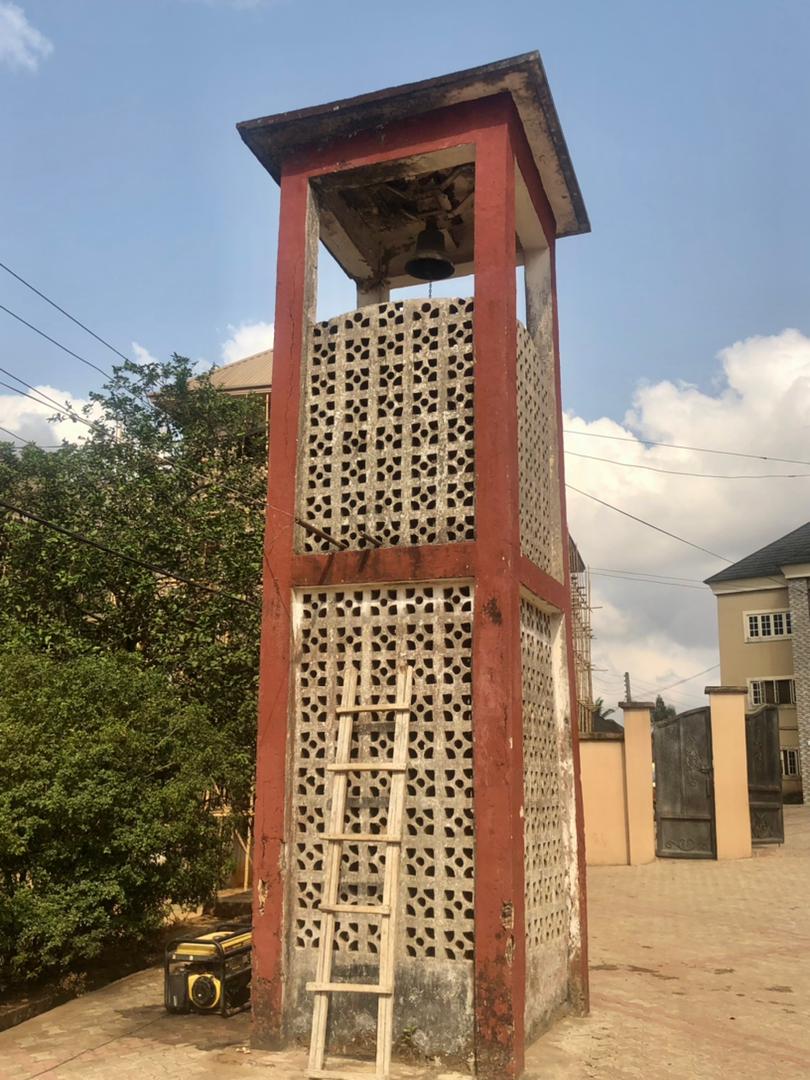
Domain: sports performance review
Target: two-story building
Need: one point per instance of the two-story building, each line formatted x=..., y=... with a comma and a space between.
x=763, y=616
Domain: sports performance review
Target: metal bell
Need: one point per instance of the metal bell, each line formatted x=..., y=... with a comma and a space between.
x=430, y=261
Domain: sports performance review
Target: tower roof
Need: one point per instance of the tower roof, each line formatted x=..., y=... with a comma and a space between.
x=273, y=138
x=788, y=550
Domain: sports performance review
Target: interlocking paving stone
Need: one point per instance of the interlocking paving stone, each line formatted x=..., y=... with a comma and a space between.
x=699, y=972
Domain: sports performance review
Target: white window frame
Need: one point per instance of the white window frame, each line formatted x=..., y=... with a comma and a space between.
x=791, y=753
x=754, y=624
x=753, y=694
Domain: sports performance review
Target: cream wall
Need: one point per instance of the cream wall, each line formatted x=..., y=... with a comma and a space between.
x=741, y=660
x=604, y=801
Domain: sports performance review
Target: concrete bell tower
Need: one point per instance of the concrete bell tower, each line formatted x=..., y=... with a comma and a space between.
x=416, y=512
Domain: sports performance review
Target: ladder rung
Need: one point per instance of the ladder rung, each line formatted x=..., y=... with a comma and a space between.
x=330, y=1074
x=363, y=837
x=356, y=909
x=349, y=988
x=366, y=766
x=397, y=706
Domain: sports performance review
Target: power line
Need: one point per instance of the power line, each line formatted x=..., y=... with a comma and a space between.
x=647, y=581
x=28, y=442
x=96, y=426
x=679, y=446
x=53, y=341
x=688, y=678
x=644, y=573
x=649, y=524
x=67, y=314
x=79, y=538
x=680, y=472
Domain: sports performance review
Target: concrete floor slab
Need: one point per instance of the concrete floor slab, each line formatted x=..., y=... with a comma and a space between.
x=699, y=972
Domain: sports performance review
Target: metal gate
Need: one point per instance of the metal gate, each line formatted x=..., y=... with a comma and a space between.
x=684, y=786
x=764, y=776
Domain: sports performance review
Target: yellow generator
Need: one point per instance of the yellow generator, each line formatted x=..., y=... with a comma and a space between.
x=210, y=973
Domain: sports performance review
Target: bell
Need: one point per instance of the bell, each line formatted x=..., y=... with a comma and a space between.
x=430, y=261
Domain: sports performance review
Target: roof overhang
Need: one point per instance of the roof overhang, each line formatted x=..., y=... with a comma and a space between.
x=743, y=585
x=274, y=138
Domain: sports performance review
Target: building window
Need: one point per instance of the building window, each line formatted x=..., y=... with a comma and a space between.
x=772, y=691
x=790, y=763
x=763, y=625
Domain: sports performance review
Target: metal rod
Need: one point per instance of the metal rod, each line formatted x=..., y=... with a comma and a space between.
x=315, y=531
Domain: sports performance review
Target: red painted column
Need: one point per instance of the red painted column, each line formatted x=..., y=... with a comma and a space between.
x=274, y=669
x=497, y=696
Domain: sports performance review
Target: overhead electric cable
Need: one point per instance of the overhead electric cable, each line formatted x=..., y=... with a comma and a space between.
x=79, y=538
x=644, y=573
x=647, y=581
x=688, y=678
x=67, y=314
x=649, y=524
x=679, y=446
x=38, y=400
x=96, y=426
x=28, y=442
x=53, y=341
x=681, y=472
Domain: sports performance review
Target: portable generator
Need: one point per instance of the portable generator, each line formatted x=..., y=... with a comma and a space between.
x=210, y=973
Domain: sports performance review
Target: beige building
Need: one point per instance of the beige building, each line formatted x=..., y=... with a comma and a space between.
x=763, y=620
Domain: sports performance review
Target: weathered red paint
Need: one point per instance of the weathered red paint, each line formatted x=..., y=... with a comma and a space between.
x=543, y=585
x=500, y=979
x=428, y=563
x=491, y=127
x=274, y=670
x=456, y=125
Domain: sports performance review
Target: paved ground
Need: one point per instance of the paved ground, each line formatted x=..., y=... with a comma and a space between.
x=699, y=972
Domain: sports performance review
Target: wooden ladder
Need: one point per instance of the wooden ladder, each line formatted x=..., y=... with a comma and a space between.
x=323, y=986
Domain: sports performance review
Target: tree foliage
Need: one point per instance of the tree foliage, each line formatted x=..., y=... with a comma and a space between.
x=175, y=476
x=662, y=711
x=126, y=696
x=103, y=771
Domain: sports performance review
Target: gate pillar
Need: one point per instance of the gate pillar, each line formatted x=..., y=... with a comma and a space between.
x=732, y=816
x=638, y=778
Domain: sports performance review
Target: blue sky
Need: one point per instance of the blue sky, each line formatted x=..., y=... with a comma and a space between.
x=127, y=194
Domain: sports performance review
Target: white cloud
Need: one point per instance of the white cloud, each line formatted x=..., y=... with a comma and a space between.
x=246, y=340
x=30, y=420
x=142, y=354
x=22, y=46
x=761, y=405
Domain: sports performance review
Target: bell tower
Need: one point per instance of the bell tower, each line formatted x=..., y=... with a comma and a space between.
x=416, y=513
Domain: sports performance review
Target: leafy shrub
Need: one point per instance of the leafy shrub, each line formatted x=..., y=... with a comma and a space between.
x=103, y=822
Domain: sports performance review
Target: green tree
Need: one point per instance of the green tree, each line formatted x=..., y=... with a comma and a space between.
x=600, y=711
x=173, y=475
x=662, y=711
x=103, y=770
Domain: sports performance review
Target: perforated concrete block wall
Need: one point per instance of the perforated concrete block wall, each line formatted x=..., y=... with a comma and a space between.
x=386, y=443
x=538, y=457
x=547, y=811
x=430, y=627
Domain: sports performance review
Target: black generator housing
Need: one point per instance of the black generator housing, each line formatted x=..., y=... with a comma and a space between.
x=210, y=973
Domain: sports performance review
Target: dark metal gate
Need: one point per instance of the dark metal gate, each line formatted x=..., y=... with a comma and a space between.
x=684, y=786
x=764, y=776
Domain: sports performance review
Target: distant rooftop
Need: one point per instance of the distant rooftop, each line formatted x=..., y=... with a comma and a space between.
x=788, y=550
x=251, y=375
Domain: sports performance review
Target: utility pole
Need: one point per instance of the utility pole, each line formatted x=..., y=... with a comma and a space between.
x=628, y=696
